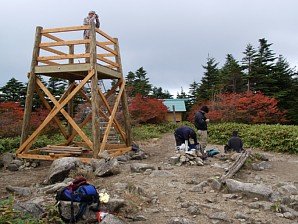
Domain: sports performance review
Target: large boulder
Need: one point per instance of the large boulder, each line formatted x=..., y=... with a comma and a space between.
x=108, y=168
x=60, y=169
x=250, y=189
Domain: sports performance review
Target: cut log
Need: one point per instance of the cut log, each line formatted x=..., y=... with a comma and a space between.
x=236, y=166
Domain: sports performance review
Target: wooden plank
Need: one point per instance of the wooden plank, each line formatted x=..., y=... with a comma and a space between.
x=60, y=151
x=108, y=61
x=49, y=63
x=99, y=44
x=106, y=55
x=62, y=68
x=107, y=42
x=75, y=148
x=64, y=43
x=53, y=50
x=114, y=74
x=104, y=35
x=126, y=149
x=62, y=57
x=115, y=146
x=65, y=29
x=51, y=37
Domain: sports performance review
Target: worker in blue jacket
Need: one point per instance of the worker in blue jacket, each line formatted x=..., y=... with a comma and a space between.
x=183, y=134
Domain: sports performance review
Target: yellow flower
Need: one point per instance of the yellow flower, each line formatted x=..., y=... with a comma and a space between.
x=104, y=197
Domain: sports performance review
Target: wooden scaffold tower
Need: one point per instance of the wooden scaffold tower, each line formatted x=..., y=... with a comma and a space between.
x=55, y=56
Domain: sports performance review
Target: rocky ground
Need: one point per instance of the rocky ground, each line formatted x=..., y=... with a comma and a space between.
x=265, y=190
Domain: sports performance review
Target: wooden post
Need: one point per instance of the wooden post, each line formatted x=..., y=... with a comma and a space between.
x=124, y=99
x=94, y=94
x=31, y=86
x=70, y=103
x=174, y=113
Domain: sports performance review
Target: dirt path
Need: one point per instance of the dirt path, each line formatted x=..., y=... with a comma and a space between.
x=170, y=195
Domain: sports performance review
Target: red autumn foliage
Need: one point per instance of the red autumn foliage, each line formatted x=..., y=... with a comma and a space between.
x=249, y=108
x=12, y=117
x=147, y=110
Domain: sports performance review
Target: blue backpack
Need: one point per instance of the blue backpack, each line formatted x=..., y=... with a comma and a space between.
x=78, y=191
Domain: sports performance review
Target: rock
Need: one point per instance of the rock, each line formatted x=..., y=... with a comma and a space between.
x=97, y=163
x=114, y=205
x=31, y=208
x=219, y=216
x=7, y=158
x=179, y=220
x=17, y=162
x=24, y=191
x=122, y=158
x=289, y=215
x=289, y=189
x=194, y=210
x=12, y=167
x=174, y=160
x=140, y=167
x=240, y=215
x=215, y=184
x=111, y=167
x=249, y=189
x=52, y=188
x=261, y=166
x=139, y=155
x=139, y=218
x=265, y=205
x=60, y=169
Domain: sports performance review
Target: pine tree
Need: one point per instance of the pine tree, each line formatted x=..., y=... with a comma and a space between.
x=247, y=61
x=231, y=76
x=262, y=67
x=284, y=88
x=193, y=93
x=138, y=83
x=159, y=93
x=13, y=91
x=209, y=82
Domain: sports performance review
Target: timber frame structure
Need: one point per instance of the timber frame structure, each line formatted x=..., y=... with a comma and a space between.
x=56, y=57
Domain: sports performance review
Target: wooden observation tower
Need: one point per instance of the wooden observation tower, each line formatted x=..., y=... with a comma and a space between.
x=57, y=55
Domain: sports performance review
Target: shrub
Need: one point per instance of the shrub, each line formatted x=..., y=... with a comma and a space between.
x=146, y=110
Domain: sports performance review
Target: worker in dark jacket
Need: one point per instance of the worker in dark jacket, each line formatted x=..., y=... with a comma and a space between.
x=183, y=134
x=234, y=143
x=201, y=124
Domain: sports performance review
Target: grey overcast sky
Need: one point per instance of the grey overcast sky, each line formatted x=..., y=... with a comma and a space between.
x=171, y=39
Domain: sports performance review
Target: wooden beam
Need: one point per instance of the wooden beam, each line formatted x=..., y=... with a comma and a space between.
x=103, y=46
x=53, y=50
x=49, y=63
x=30, y=87
x=64, y=43
x=108, y=61
x=65, y=29
x=94, y=95
x=104, y=35
x=51, y=37
x=62, y=57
